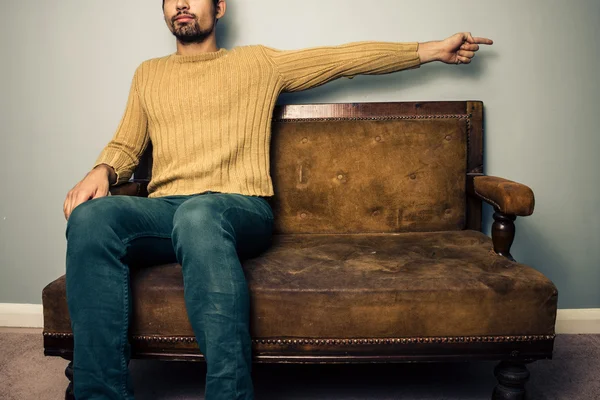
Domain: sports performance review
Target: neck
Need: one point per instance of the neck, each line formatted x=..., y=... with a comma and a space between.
x=191, y=49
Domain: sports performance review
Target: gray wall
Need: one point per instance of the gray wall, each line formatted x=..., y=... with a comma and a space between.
x=67, y=65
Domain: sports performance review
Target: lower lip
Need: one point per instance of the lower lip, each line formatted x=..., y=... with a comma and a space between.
x=183, y=19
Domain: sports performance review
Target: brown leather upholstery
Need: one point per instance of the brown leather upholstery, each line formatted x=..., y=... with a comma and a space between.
x=507, y=196
x=125, y=189
x=136, y=188
x=364, y=285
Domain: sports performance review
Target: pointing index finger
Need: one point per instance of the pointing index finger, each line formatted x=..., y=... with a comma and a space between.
x=480, y=40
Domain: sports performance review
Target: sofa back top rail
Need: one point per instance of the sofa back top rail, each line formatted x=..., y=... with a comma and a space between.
x=373, y=167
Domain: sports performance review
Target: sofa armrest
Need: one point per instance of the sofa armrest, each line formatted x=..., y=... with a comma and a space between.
x=506, y=196
x=136, y=188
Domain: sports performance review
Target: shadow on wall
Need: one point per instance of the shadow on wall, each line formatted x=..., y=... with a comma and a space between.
x=226, y=32
x=535, y=248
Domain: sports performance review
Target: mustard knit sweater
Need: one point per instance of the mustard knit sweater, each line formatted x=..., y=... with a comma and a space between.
x=208, y=116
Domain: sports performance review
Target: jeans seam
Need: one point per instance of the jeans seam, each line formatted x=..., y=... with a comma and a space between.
x=124, y=336
x=124, y=333
x=235, y=301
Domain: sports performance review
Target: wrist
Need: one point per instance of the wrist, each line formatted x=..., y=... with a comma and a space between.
x=108, y=171
x=429, y=51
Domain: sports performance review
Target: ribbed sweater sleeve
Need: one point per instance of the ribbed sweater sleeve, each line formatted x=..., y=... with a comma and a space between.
x=307, y=68
x=124, y=150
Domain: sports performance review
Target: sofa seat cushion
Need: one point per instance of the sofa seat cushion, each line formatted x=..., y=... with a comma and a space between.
x=358, y=286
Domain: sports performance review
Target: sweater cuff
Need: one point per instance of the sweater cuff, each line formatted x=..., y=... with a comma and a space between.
x=114, y=159
x=409, y=54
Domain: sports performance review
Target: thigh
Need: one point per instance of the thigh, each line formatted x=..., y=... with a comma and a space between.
x=248, y=219
x=142, y=225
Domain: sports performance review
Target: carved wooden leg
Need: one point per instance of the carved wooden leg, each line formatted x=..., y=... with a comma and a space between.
x=69, y=373
x=503, y=233
x=512, y=378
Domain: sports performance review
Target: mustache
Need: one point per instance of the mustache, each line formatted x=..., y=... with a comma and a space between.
x=180, y=14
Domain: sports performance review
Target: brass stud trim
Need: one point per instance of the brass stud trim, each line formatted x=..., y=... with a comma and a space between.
x=378, y=118
x=338, y=341
x=469, y=129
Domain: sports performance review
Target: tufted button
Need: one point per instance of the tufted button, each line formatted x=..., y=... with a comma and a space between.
x=378, y=138
x=303, y=215
x=413, y=176
x=340, y=177
x=375, y=213
x=305, y=140
x=448, y=137
x=448, y=211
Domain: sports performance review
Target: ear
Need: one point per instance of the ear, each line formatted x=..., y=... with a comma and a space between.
x=221, y=8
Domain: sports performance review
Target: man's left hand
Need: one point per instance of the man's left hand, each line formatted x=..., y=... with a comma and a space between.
x=457, y=49
x=460, y=48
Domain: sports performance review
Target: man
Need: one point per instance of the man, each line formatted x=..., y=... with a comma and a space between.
x=207, y=112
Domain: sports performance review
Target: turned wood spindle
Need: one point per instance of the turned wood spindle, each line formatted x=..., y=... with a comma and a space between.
x=503, y=233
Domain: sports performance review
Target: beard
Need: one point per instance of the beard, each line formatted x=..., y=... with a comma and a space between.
x=191, y=32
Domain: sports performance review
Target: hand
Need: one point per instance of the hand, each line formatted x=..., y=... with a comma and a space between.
x=94, y=185
x=460, y=48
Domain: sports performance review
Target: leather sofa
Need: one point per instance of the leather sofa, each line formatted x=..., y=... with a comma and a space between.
x=377, y=254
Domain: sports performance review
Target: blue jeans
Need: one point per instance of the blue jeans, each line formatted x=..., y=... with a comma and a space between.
x=207, y=234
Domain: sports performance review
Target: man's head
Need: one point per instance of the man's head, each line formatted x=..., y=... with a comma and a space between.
x=193, y=21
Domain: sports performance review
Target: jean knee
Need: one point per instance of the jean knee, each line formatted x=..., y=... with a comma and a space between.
x=202, y=214
x=196, y=225
x=91, y=217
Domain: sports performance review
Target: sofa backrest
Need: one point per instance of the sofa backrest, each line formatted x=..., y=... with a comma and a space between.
x=375, y=167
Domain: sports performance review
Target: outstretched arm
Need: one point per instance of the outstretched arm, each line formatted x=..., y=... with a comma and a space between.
x=307, y=68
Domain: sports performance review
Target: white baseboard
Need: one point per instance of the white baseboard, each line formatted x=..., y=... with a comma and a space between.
x=575, y=321
x=21, y=315
x=581, y=320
